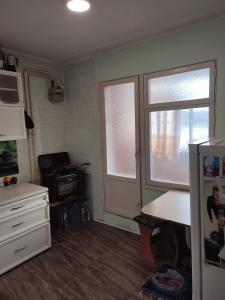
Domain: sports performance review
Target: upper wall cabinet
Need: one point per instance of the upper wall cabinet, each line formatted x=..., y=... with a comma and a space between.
x=11, y=93
x=12, y=123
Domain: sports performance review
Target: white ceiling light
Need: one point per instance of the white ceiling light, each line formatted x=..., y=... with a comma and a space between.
x=78, y=5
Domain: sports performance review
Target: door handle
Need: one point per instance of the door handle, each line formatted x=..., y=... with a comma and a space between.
x=137, y=152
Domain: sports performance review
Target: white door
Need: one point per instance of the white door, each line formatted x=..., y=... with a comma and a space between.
x=120, y=132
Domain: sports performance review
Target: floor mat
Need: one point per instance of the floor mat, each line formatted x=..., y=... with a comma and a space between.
x=169, y=283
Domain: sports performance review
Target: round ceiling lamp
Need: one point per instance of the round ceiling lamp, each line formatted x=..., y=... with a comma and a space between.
x=78, y=5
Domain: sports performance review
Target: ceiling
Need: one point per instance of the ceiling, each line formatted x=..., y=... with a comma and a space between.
x=46, y=29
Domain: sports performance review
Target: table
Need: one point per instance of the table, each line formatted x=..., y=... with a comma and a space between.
x=173, y=206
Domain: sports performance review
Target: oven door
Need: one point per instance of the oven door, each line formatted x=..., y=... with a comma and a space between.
x=67, y=185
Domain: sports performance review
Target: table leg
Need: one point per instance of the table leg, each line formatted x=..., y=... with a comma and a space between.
x=145, y=245
x=183, y=250
x=168, y=231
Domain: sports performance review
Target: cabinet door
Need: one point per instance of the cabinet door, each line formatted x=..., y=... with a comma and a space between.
x=12, y=123
x=10, y=89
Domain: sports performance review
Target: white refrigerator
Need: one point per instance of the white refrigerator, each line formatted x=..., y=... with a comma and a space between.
x=207, y=190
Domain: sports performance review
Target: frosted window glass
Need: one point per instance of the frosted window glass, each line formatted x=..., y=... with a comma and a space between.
x=179, y=87
x=170, y=133
x=120, y=129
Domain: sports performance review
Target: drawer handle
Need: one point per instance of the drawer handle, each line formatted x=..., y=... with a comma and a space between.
x=16, y=225
x=18, y=207
x=21, y=249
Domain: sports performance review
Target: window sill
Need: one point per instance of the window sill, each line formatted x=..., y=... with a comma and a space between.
x=165, y=187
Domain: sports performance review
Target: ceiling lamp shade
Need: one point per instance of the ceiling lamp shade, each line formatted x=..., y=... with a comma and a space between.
x=78, y=5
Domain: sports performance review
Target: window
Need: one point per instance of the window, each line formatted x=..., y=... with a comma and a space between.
x=179, y=109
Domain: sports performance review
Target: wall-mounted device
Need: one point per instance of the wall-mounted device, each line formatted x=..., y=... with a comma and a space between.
x=55, y=93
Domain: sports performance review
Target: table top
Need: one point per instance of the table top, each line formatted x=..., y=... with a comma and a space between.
x=173, y=206
x=13, y=193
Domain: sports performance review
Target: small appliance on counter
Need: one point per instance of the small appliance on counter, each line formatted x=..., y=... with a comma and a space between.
x=11, y=62
x=8, y=62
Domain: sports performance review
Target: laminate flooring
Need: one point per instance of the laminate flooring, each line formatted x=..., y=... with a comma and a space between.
x=87, y=262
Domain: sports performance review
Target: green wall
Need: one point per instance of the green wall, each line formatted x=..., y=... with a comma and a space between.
x=194, y=44
x=197, y=43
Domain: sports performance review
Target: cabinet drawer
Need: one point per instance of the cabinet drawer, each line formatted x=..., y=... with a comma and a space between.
x=25, y=221
x=24, y=247
x=22, y=205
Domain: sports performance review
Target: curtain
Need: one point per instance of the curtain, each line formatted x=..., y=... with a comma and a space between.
x=166, y=133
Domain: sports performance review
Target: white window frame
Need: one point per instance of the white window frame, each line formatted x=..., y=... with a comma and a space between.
x=148, y=108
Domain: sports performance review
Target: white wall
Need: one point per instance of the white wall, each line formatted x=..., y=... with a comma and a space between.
x=49, y=119
x=40, y=102
x=82, y=121
x=83, y=136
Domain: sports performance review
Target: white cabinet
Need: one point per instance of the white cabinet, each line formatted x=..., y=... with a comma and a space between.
x=24, y=224
x=12, y=123
x=23, y=247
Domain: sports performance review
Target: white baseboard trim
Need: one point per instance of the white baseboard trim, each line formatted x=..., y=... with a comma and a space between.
x=116, y=226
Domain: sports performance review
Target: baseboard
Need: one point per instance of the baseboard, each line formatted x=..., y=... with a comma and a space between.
x=116, y=226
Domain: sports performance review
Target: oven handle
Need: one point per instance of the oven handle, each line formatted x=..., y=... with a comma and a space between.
x=67, y=179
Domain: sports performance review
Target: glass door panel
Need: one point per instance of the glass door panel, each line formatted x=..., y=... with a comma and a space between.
x=8, y=82
x=9, y=97
x=10, y=93
x=120, y=129
x=120, y=124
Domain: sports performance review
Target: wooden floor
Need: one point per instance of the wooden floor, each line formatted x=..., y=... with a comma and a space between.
x=94, y=262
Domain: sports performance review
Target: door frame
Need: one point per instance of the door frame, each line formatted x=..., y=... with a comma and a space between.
x=101, y=101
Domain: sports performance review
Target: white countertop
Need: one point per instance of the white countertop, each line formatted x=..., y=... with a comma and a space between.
x=13, y=193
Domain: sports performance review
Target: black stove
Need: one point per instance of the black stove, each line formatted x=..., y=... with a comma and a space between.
x=63, y=179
